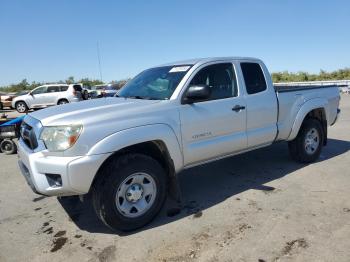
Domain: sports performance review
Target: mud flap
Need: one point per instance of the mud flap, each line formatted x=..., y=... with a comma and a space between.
x=174, y=191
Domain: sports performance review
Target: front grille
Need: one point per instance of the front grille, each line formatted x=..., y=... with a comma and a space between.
x=28, y=136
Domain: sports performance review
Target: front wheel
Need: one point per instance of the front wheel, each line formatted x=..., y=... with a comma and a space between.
x=130, y=191
x=306, y=147
x=21, y=107
x=8, y=147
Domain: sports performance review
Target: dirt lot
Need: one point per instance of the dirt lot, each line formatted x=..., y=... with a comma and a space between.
x=260, y=206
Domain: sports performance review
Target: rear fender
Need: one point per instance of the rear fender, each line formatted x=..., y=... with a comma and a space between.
x=306, y=108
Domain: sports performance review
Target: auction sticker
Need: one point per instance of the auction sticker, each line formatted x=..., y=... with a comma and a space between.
x=179, y=69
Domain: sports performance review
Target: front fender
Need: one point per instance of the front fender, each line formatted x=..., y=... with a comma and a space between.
x=307, y=107
x=136, y=135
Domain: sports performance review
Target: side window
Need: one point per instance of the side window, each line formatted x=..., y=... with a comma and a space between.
x=253, y=77
x=40, y=90
x=77, y=88
x=52, y=89
x=220, y=78
x=63, y=88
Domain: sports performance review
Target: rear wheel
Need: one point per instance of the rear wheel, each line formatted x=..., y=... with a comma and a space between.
x=21, y=107
x=8, y=147
x=85, y=95
x=306, y=147
x=130, y=192
x=62, y=102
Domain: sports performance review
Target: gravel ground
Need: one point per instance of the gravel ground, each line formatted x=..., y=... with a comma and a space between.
x=259, y=206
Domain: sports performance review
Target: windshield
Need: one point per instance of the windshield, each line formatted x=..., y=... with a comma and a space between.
x=156, y=83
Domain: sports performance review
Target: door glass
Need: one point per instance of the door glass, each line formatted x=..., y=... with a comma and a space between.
x=63, y=88
x=53, y=89
x=253, y=77
x=77, y=88
x=40, y=90
x=220, y=78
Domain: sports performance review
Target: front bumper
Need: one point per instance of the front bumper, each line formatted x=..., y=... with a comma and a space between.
x=77, y=173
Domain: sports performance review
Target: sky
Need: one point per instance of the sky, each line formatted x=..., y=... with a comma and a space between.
x=47, y=41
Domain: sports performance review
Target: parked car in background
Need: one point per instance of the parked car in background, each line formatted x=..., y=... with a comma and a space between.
x=6, y=99
x=109, y=91
x=48, y=95
x=98, y=90
x=1, y=106
x=345, y=89
x=89, y=92
x=106, y=90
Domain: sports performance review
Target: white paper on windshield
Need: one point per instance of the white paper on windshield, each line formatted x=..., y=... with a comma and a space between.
x=179, y=69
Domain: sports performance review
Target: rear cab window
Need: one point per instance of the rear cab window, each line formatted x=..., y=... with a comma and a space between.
x=253, y=77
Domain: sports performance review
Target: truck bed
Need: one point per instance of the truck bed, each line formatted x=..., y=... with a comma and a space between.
x=292, y=97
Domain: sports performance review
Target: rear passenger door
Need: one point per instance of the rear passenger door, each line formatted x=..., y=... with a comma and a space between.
x=214, y=127
x=52, y=94
x=261, y=105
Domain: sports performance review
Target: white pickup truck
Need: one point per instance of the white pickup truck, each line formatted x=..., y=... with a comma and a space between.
x=127, y=150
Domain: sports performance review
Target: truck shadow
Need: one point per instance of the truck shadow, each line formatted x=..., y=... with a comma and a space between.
x=205, y=186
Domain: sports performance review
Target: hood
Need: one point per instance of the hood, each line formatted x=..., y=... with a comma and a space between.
x=91, y=110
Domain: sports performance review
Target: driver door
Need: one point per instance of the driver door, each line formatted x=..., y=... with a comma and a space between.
x=38, y=97
x=214, y=128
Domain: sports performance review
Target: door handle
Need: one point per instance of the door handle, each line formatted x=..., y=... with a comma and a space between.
x=238, y=108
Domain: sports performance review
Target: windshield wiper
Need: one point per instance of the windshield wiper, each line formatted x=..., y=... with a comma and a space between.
x=135, y=97
x=142, y=97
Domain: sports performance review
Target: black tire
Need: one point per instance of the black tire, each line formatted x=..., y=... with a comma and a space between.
x=1, y=106
x=85, y=95
x=21, y=107
x=62, y=102
x=111, y=177
x=8, y=147
x=297, y=147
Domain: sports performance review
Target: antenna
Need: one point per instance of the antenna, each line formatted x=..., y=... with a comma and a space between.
x=99, y=60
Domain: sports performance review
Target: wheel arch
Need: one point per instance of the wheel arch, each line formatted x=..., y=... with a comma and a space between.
x=157, y=141
x=156, y=149
x=18, y=101
x=61, y=99
x=317, y=109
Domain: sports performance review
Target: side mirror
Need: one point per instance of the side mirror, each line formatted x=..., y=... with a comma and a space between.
x=30, y=93
x=197, y=93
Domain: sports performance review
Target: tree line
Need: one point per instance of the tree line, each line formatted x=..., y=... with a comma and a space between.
x=285, y=76
x=277, y=77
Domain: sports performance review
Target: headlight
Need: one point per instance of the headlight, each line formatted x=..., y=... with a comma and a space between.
x=60, y=138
